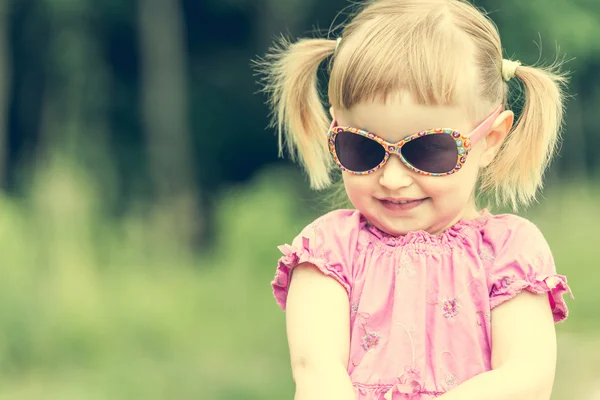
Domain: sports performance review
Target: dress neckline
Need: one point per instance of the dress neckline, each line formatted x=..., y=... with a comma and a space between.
x=450, y=234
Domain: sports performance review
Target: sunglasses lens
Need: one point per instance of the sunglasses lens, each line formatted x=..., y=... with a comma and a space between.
x=431, y=153
x=358, y=153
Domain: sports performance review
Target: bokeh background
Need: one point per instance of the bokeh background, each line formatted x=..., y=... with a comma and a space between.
x=142, y=197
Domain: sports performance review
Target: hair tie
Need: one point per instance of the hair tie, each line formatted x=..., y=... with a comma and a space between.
x=337, y=44
x=509, y=69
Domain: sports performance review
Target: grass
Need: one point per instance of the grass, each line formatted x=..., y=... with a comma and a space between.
x=97, y=308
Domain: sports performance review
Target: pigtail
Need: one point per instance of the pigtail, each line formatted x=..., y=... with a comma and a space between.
x=516, y=173
x=297, y=111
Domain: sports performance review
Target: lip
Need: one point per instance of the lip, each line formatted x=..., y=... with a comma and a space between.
x=391, y=205
x=399, y=199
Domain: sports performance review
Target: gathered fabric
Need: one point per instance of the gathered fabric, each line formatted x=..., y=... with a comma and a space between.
x=421, y=304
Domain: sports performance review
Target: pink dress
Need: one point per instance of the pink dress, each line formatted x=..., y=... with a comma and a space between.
x=420, y=304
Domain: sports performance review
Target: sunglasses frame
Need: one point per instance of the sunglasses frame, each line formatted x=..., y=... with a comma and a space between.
x=464, y=144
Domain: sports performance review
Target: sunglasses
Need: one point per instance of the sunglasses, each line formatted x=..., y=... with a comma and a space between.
x=432, y=152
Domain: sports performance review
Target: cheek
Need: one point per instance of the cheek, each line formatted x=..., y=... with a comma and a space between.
x=359, y=184
x=436, y=186
x=466, y=178
x=454, y=187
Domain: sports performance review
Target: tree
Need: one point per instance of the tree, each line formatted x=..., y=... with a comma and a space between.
x=4, y=92
x=165, y=113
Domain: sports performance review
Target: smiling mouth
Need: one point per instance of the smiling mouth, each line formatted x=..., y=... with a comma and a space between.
x=399, y=205
x=400, y=201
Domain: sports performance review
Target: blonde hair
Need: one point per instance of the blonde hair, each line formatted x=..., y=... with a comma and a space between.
x=423, y=47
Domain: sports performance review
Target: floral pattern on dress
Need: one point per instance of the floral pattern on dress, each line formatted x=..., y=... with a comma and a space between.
x=450, y=380
x=486, y=253
x=504, y=284
x=405, y=267
x=371, y=340
x=450, y=308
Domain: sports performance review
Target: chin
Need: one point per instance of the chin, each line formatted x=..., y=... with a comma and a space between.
x=394, y=229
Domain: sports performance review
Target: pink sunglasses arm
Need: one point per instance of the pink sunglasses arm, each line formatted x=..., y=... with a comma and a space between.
x=485, y=126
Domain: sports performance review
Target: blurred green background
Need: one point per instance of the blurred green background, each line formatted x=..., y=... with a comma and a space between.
x=142, y=199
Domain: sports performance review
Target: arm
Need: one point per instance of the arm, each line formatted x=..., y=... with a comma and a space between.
x=523, y=354
x=318, y=329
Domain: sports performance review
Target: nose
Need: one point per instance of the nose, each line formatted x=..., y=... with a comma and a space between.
x=394, y=174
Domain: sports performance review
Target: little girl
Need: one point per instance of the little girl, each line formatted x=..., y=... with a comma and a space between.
x=416, y=293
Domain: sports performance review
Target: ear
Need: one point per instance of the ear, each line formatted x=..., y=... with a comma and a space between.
x=495, y=138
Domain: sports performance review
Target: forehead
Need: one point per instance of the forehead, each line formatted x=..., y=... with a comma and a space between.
x=399, y=116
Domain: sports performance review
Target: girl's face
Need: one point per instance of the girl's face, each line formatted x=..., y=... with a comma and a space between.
x=434, y=203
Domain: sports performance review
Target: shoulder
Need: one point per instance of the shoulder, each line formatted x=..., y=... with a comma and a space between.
x=335, y=233
x=327, y=244
x=518, y=248
x=509, y=223
x=520, y=259
x=343, y=221
x=515, y=246
x=505, y=231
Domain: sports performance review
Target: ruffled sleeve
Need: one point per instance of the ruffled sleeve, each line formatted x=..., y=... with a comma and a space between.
x=523, y=261
x=325, y=243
